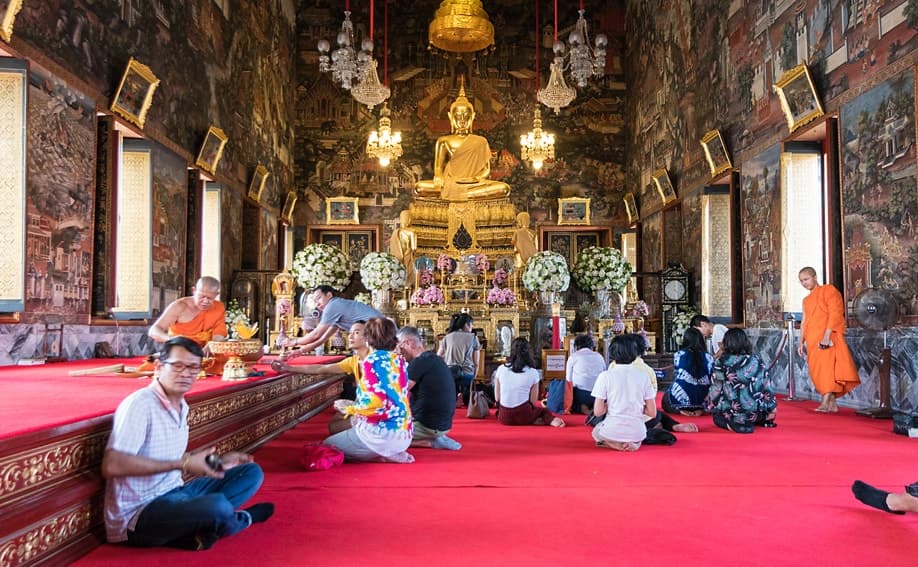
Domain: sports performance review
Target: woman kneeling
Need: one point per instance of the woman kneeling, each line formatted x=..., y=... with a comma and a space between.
x=625, y=396
x=741, y=395
x=516, y=387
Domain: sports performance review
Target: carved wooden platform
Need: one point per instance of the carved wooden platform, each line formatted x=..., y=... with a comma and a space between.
x=51, y=486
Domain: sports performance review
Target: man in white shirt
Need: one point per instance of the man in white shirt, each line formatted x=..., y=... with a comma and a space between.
x=583, y=366
x=713, y=333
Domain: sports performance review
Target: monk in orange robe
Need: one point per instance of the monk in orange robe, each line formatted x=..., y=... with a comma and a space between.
x=200, y=317
x=823, y=333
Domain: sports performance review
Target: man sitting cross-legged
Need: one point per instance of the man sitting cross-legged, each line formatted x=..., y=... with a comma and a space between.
x=147, y=503
x=433, y=392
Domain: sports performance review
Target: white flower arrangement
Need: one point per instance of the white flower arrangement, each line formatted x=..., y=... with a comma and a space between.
x=235, y=316
x=321, y=264
x=602, y=267
x=363, y=298
x=381, y=270
x=546, y=271
x=681, y=322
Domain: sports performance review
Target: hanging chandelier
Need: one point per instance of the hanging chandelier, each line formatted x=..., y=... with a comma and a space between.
x=556, y=93
x=347, y=66
x=369, y=90
x=537, y=146
x=583, y=60
x=384, y=144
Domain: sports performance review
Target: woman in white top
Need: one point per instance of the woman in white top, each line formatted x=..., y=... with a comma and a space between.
x=624, y=395
x=583, y=366
x=516, y=388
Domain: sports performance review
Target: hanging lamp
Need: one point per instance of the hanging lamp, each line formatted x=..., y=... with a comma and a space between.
x=383, y=143
x=537, y=145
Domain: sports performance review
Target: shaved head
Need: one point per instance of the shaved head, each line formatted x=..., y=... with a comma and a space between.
x=208, y=283
x=809, y=271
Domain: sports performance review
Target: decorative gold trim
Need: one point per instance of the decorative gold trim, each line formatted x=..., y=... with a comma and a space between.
x=715, y=152
x=50, y=535
x=135, y=93
x=342, y=210
x=211, y=150
x=6, y=32
x=289, y=205
x=631, y=209
x=28, y=470
x=574, y=211
x=257, y=186
x=664, y=186
x=799, y=100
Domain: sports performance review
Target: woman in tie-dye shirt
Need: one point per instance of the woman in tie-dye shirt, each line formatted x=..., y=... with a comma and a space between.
x=380, y=417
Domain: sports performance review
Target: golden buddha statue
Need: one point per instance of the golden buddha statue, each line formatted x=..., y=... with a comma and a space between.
x=524, y=240
x=403, y=243
x=462, y=160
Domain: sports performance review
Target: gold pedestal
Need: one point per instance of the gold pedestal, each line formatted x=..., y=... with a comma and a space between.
x=235, y=368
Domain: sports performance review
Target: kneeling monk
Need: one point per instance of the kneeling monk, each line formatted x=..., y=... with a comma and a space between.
x=200, y=317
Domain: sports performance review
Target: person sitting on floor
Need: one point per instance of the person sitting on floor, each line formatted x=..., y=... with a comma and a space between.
x=892, y=502
x=147, y=503
x=201, y=317
x=380, y=417
x=742, y=395
x=692, y=366
x=516, y=389
x=352, y=366
x=625, y=397
x=583, y=366
x=433, y=392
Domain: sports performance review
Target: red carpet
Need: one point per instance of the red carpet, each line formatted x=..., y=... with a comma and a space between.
x=44, y=396
x=540, y=496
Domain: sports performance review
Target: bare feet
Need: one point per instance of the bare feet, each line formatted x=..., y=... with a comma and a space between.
x=557, y=422
x=622, y=446
x=691, y=413
x=685, y=428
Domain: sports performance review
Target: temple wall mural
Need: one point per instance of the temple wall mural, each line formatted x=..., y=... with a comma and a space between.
x=170, y=186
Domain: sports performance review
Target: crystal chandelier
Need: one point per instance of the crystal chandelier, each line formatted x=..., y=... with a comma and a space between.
x=369, y=90
x=347, y=66
x=537, y=146
x=556, y=93
x=584, y=61
x=384, y=144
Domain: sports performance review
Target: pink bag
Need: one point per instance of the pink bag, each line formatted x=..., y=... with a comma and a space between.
x=318, y=457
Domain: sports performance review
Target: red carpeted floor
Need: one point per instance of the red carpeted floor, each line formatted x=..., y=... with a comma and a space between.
x=540, y=496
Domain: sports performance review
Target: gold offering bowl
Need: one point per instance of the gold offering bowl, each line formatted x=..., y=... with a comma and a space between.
x=234, y=368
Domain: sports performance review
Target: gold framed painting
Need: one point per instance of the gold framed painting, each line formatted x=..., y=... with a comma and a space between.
x=664, y=186
x=574, y=210
x=135, y=93
x=8, y=11
x=211, y=150
x=341, y=210
x=799, y=100
x=257, y=185
x=289, y=204
x=631, y=209
x=715, y=151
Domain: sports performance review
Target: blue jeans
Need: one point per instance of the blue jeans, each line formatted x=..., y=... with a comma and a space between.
x=582, y=397
x=196, y=515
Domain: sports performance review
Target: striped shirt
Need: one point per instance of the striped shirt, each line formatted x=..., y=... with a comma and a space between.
x=145, y=424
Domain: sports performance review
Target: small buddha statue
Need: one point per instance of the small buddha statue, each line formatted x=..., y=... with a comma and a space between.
x=404, y=242
x=462, y=160
x=524, y=240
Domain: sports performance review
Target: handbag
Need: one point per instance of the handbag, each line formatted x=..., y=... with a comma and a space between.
x=902, y=422
x=318, y=457
x=478, y=404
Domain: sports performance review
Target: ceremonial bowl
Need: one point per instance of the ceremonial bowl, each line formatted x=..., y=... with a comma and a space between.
x=234, y=350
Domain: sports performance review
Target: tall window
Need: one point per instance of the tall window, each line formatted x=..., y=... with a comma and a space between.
x=716, y=255
x=133, y=231
x=14, y=84
x=211, y=231
x=803, y=219
x=629, y=251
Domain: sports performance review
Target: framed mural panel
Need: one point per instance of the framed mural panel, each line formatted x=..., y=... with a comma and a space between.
x=135, y=93
x=574, y=210
x=257, y=185
x=359, y=244
x=664, y=186
x=341, y=210
x=631, y=209
x=562, y=243
x=289, y=205
x=715, y=152
x=571, y=241
x=8, y=11
x=211, y=150
x=799, y=100
x=335, y=239
x=355, y=243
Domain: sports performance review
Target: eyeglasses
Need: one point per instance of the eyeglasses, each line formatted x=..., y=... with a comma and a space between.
x=182, y=367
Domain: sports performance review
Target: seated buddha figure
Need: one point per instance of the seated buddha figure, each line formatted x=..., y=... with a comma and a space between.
x=462, y=161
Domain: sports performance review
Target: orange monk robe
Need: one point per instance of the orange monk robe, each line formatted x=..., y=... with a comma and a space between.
x=832, y=369
x=204, y=326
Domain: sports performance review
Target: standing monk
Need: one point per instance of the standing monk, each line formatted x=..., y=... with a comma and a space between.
x=200, y=317
x=823, y=332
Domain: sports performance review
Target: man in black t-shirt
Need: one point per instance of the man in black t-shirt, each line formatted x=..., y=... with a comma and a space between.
x=433, y=392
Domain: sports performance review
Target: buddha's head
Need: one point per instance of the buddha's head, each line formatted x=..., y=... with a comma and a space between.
x=522, y=220
x=461, y=113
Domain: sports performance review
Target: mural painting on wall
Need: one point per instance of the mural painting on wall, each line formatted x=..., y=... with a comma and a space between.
x=170, y=199
x=691, y=237
x=59, y=198
x=761, y=198
x=268, y=229
x=246, y=51
x=331, y=161
x=231, y=240
x=878, y=183
x=652, y=260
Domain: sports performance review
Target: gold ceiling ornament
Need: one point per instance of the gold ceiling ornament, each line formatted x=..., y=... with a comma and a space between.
x=461, y=26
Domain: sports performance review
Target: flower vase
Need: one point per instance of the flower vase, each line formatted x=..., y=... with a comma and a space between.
x=546, y=300
x=381, y=300
x=603, y=297
x=618, y=326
